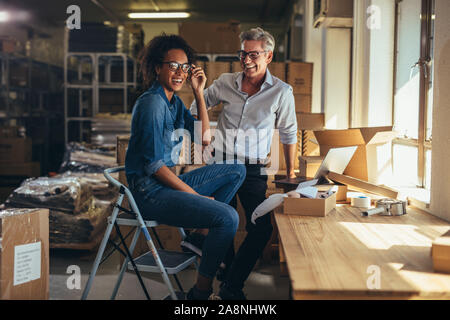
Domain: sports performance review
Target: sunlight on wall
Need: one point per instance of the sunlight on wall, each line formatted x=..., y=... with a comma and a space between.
x=407, y=108
x=405, y=165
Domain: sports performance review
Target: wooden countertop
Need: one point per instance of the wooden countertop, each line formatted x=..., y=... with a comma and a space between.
x=328, y=258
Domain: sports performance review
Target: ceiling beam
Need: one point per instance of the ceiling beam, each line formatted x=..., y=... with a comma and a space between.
x=265, y=11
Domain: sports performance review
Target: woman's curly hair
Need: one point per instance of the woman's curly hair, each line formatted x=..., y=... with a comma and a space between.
x=154, y=52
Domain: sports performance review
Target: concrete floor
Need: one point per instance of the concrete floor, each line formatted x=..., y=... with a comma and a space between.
x=264, y=283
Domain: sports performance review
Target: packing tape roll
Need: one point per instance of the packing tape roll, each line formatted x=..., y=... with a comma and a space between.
x=360, y=202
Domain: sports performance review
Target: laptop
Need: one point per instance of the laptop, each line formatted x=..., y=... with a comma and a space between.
x=336, y=160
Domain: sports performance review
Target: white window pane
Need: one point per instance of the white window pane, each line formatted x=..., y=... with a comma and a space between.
x=405, y=165
x=406, y=116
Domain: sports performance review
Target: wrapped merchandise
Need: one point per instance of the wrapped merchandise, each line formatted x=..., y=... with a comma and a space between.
x=101, y=188
x=68, y=194
x=85, y=158
x=81, y=228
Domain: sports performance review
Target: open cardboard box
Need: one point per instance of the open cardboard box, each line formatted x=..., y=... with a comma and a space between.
x=309, y=207
x=372, y=160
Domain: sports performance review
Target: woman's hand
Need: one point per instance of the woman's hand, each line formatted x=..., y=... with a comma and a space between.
x=198, y=78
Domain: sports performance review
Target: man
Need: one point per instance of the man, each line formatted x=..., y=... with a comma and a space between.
x=254, y=102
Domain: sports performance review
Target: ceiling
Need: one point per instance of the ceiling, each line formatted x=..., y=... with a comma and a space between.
x=263, y=12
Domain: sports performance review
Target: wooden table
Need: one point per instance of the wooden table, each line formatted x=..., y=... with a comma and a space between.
x=331, y=257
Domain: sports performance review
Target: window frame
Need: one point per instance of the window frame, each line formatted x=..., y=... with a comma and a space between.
x=424, y=64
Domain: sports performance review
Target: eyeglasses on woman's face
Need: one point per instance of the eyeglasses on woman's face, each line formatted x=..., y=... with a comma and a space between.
x=173, y=66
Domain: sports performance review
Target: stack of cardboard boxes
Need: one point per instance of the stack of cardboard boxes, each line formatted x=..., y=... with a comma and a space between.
x=206, y=37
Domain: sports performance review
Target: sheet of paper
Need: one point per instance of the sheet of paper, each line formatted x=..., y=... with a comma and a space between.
x=27, y=263
x=305, y=184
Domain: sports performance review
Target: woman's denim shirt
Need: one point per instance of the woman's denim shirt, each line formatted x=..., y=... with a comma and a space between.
x=152, y=144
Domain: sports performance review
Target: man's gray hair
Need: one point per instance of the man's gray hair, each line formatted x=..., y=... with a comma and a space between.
x=260, y=35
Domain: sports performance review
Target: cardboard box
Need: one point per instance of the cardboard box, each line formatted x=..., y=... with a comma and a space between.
x=372, y=160
x=308, y=166
x=440, y=253
x=186, y=97
x=236, y=66
x=310, y=121
x=303, y=103
x=214, y=70
x=206, y=37
x=308, y=145
x=17, y=150
x=25, y=169
x=299, y=76
x=278, y=69
x=309, y=207
x=24, y=255
x=121, y=150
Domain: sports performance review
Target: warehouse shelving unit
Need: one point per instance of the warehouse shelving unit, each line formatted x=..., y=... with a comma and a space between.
x=29, y=93
x=99, y=77
x=33, y=93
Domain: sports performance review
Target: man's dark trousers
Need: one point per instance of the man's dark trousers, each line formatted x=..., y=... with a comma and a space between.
x=251, y=194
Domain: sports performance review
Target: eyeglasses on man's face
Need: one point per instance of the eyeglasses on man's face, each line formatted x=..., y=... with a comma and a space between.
x=173, y=66
x=252, y=54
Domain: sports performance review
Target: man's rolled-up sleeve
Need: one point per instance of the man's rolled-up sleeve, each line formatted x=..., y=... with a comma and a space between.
x=151, y=132
x=286, y=121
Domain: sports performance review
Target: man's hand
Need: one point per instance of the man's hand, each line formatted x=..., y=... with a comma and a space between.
x=198, y=78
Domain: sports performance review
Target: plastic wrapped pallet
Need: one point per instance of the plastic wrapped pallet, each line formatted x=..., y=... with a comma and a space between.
x=85, y=158
x=78, y=229
x=67, y=194
x=101, y=188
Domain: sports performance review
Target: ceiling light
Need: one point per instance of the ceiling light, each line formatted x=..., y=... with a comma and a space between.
x=158, y=15
x=4, y=16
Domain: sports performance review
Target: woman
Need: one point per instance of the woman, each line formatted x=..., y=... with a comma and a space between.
x=198, y=199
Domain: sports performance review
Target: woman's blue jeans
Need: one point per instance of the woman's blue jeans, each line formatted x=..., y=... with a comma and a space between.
x=176, y=208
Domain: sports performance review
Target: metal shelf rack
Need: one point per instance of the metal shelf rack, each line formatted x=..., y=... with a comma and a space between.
x=99, y=78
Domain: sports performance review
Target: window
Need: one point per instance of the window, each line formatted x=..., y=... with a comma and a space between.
x=413, y=94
